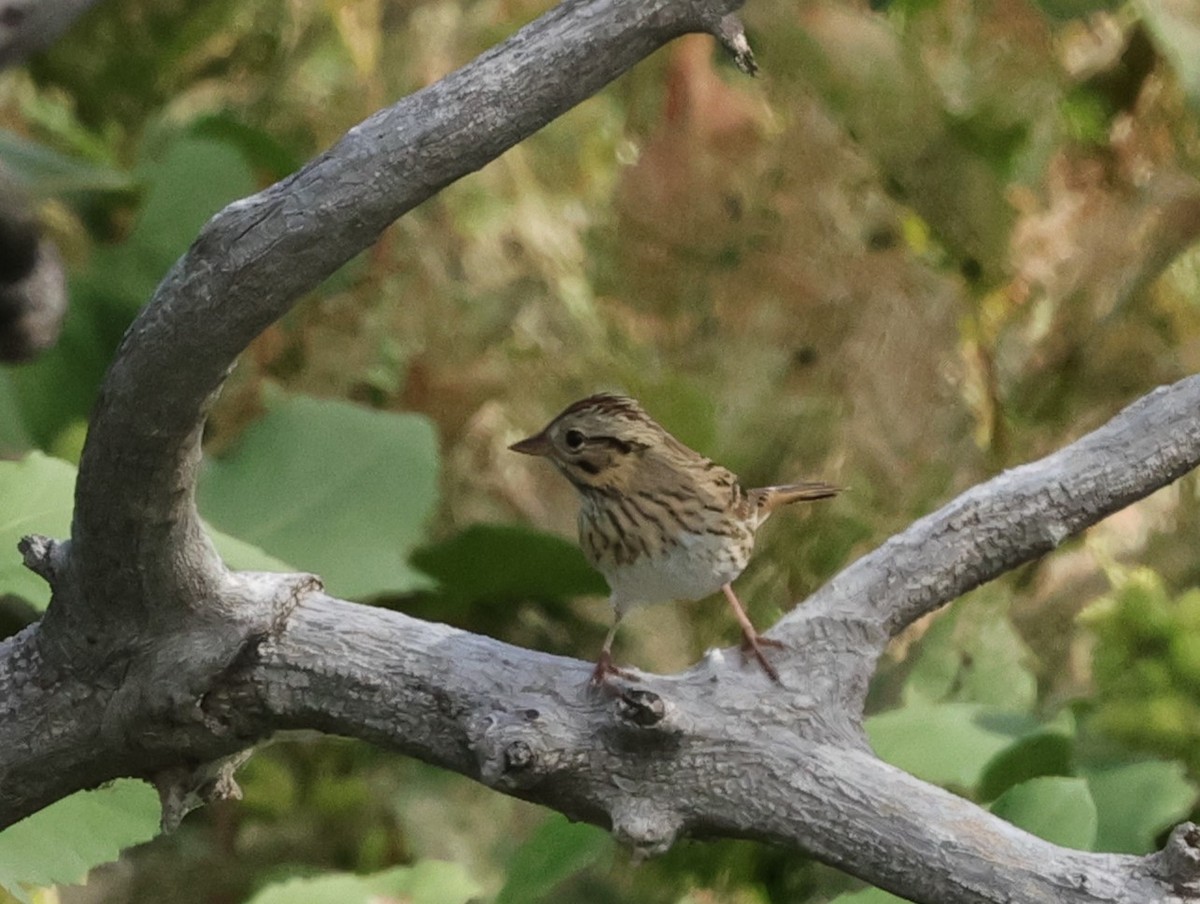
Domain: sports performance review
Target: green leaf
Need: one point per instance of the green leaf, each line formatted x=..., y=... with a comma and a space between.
x=258, y=147
x=331, y=488
x=1043, y=753
x=38, y=496
x=14, y=437
x=973, y=655
x=68, y=444
x=947, y=743
x=427, y=882
x=557, y=850
x=934, y=672
x=62, y=842
x=505, y=563
x=193, y=179
x=45, y=172
x=1136, y=802
x=243, y=556
x=1060, y=810
x=997, y=674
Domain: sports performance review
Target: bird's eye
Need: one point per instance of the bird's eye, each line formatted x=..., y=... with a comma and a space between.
x=574, y=440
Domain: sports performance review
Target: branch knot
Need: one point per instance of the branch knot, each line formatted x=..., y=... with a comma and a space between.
x=645, y=826
x=182, y=789
x=43, y=556
x=1178, y=863
x=640, y=708
x=508, y=747
x=729, y=31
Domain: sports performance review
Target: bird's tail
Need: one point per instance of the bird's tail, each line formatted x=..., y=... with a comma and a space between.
x=767, y=499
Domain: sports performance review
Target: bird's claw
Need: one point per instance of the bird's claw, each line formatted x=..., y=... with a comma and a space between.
x=605, y=669
x=753, y=646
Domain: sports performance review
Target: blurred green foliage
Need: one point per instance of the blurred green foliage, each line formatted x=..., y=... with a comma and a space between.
x=971, y=722
x=1147, y=666
x=429, y=882
x=368, y=479
x=935, y=240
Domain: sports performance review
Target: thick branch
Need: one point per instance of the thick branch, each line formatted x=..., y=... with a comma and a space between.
x=718, y=750
x=715, y=752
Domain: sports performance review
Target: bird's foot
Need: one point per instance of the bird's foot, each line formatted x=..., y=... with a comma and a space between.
x=605, y=669
x=748, y=643
x=752, y=645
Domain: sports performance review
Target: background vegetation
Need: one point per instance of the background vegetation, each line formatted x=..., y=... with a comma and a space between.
x=931, y=241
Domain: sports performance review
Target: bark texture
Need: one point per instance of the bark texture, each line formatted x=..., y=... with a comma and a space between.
x=153, y=657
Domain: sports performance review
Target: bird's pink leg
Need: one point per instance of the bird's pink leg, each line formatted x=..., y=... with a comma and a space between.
x=752, y=641
x=604, y=664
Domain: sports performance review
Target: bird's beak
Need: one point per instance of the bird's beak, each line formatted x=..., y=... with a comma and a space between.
x=535, y=445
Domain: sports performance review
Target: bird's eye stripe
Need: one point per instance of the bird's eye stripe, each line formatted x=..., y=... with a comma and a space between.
x=588, y=466
x=622, y=446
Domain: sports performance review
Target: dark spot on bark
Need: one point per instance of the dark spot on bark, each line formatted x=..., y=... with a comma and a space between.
x=642, y=708
x=517, y=756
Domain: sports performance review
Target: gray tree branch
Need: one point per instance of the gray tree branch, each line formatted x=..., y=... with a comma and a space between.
x=155, y=661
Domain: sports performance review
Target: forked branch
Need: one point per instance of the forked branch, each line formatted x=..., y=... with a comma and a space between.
x=181, y=662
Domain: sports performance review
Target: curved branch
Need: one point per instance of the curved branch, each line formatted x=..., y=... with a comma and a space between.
x=717, y=751
x=256, y=257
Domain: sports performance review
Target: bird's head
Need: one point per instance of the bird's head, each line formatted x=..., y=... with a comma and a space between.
x=597, y=442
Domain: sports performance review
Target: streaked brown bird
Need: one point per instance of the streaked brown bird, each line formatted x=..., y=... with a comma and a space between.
x=660, y=521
